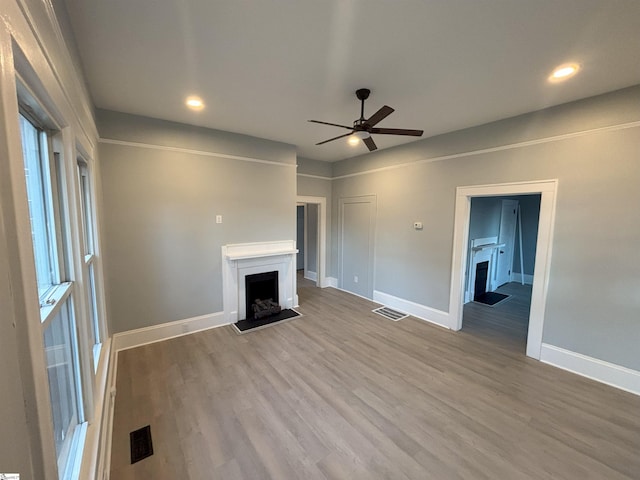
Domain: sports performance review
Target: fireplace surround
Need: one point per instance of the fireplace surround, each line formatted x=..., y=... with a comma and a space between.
x=242, y=259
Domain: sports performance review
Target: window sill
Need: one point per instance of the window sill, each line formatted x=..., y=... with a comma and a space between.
x=54, y=301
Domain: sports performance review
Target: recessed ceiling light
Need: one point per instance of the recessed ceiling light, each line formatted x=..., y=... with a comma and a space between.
x=195, y=103
x=564, y=72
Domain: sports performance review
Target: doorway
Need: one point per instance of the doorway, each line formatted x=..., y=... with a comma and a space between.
x=311, y=220
x=548, y=192
x=502, y=246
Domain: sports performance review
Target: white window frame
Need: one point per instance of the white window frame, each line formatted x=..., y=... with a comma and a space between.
x=65, y=194
x=92, y=290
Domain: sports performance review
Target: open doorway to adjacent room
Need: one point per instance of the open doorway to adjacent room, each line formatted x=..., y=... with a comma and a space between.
x=310, y=241
x=462, y=284
x=501, y=254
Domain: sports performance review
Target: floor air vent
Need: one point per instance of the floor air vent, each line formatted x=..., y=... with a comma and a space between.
x=141, y=446
x=389, y=313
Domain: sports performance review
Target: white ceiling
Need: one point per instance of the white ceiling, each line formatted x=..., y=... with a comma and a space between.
x=265, y=67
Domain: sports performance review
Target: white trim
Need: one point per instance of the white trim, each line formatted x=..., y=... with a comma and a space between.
x=165, y=331
x=330, y=282
x=548, y=192
x=358, y=295
x=510, y=146
x=246, y=251
x=321, y=279
x=428, y=314
x=604, y=372
x=309, y=275
x=193, y=152
x=94, y=446
x=241, y=259
x=124, y=341
x=319, y=177
x=518, y=277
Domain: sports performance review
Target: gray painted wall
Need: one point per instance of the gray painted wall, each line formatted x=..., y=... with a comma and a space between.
x=592, y=304
x=484, y=219
x=162, y=241
x=530, y=214
x=484, y=222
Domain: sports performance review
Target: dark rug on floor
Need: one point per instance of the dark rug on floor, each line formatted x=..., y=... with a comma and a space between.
x=490, y=298
x=246, y=325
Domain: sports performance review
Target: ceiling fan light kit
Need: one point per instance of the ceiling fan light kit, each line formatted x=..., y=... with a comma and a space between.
x=363, y=128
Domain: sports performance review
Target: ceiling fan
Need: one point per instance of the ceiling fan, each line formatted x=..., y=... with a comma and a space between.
x=364, y=128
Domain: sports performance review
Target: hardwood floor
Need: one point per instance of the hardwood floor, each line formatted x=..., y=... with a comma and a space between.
x=503, y=325
x=342, y=393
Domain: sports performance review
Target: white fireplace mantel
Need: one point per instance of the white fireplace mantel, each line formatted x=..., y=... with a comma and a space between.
x=242, y=259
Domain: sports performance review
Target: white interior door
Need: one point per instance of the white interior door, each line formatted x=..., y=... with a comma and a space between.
x=507, y=235
x=357, y=240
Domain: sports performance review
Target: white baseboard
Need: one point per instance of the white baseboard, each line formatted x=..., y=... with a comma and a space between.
x=422, y=312
x=517, y=277
x=165, y=331
x=309, y=275
x=609, y=373
x=330, y=282
x=136, y=338
x=93, y=454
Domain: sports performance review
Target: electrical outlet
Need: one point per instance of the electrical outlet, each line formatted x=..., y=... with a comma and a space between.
x=417, y=225
x=218, y=218
x=355, y=279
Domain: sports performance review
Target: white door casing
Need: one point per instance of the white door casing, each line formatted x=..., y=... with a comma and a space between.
x=322, y=280
x=548, y=193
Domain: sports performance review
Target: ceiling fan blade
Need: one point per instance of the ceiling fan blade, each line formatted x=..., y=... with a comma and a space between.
x=335, y=138
x=371, y=145
x=332, y=124
x=397, y=131
x=380, y=115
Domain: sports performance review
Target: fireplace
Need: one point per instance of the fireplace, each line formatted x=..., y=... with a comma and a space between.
x=243, y=260
x=482, y=274
x=261, y=295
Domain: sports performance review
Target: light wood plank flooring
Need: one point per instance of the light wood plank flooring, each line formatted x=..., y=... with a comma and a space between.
x=343, y=393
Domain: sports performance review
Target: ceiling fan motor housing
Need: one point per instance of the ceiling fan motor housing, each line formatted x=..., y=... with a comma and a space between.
x=363, y=93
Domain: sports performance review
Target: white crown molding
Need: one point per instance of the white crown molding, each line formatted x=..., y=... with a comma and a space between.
x=510, y=146
x=204, y=153
x=319, y=177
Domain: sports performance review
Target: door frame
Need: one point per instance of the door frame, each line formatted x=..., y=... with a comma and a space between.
x=548, y=194
x=321, y=280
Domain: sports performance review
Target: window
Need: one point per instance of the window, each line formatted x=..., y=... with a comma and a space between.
x=43, y=170
x=90, y=280
x=36, y=159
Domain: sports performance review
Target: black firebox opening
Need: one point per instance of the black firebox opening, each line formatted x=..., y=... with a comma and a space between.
x=262, y=295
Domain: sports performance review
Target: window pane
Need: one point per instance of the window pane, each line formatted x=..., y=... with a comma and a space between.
x=87, y=211
x=39, y=205
x=93, y=305
x=60, y=351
